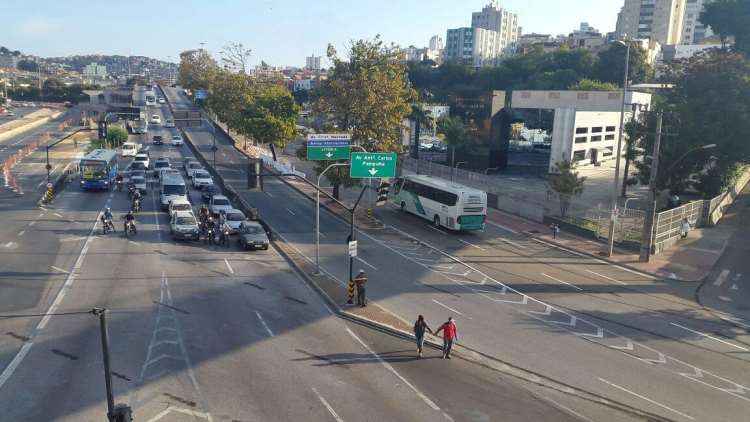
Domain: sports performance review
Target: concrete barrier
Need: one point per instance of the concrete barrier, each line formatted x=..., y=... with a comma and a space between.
x=28, y=126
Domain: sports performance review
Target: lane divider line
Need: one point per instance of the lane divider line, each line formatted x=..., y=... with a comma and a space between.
x=646, y=399
x=263, y=322
x=563, y=282
x=333, y=413
x=708, y=336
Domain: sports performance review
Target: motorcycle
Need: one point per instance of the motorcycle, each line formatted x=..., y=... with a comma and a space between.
x=107, y=225
x=210, y=236
x=130, y=228
x=131, y=191
x=224, y=236
x=119, y=185
x=136, y=206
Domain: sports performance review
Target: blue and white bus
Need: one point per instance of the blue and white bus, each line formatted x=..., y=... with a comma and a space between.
x=98, y=169
x=444, y=203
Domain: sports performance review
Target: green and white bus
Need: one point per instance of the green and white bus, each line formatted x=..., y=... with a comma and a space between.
x=446, y=204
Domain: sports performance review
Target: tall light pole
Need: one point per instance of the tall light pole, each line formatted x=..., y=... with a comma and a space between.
x=616, y=183
x=317, y=215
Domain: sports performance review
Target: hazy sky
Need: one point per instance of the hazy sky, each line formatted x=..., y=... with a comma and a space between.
x=279, y=32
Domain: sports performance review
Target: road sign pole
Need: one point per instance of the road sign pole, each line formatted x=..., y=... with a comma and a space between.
x=351, y=234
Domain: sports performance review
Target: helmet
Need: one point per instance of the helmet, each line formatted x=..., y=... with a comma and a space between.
x=108, y=209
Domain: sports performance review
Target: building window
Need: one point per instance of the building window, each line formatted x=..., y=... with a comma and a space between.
x=581, y=140
x=610, y=128
x=580, y=130
x=596, y=138
x=579, y=155
x=597, y=129
x=609, y=137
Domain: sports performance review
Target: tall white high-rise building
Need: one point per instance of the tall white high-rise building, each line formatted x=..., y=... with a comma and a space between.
x=505, y=23
x=658, y=20
x=436, y=43
x=476, y=47
x=312, y=62
x=693, y=31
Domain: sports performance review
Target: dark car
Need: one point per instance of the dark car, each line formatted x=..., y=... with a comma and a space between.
x=252, y=236
x=208, y=192
x=158, y=140
x=137, y=165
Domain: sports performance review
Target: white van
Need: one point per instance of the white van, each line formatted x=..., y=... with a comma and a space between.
x=171, y=187
x=129, y=149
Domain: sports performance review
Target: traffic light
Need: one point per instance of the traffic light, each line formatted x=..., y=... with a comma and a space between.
x=383, y=188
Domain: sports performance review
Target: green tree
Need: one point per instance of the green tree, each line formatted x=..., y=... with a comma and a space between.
x=197, y=69
x=567, y=183
x=592, y=85
x=116, y=136
x=420, y=117
x=611, y=64
x=454, y=134
x=270, y=116
x=729, y=18
x=366, y=95
x=27, y=65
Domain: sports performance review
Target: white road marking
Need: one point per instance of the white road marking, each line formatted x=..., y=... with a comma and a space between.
x=8, y=372
x=171, y=409
x=59, y=269
x=721, y=278
x=41, y=214
x=32, y=223
x=608, y=278
x=436, y=229
x=59, y=215
x=646, y=398
x=265, y=326
x=449, y=308
x=327, y=406
x=725, y=299
x=707, y=336
x=19, y=141
x=500, y=226
x=366, y=263
x=393, y=370
x=472, y=245
x=21, y=233
x=290, y=211
x=563, y=282
x=10, y=245
x=226, y=261
x=268, y=193
x=734, y=287
x=567, y=409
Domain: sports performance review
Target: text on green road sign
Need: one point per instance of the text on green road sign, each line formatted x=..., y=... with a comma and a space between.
x=322, y=147
x=366, y=165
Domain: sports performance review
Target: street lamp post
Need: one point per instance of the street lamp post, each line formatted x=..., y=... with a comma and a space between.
x=317, y=215
x=616, y=183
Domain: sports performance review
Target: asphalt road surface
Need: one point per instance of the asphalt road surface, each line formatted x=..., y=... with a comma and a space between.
x=595, y=326
x=201, y=332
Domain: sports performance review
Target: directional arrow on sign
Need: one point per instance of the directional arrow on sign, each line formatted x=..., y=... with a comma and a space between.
x=372, y=171
x=329, y=155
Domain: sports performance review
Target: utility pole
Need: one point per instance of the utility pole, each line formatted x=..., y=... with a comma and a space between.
x=351, y=233
x=647, y=238
x=616, y=183
x=317, y=216
x=121, y=412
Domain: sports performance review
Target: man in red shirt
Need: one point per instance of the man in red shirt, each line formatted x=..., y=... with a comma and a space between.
x=450, y=334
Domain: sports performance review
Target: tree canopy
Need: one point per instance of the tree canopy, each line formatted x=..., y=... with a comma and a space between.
x=729, y=18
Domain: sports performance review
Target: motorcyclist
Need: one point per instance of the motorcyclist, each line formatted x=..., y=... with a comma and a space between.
x=224, y=231
x=107, y=220
x=118, y=180
x=210, y=227
x=130, y=220
x=204, y=214
x=136, y=200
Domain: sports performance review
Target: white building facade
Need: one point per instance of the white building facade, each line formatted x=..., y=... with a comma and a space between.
x=586, y=123
x=659, y=20
x=313, y=62
x=505, y=23
x=693, y=31
x=472, y=46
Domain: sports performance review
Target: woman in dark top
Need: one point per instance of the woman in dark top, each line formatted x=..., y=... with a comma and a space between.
x=420, y=326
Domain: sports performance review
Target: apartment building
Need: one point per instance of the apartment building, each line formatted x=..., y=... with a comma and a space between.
x=658, y=20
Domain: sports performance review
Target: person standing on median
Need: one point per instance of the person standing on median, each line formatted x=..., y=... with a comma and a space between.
x=360, y=280
x=450, y=334
x=420, y=326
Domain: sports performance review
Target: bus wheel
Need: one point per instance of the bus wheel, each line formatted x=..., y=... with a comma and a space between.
x=436, y=220
x=403, y=206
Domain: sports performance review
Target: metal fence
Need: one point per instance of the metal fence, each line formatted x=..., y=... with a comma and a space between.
x=668, y=224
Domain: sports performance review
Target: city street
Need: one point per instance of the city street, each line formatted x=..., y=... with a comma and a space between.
x=579, y=320
x=201, y=332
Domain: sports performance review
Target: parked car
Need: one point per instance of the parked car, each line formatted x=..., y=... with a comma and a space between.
x=209, y=192
x=158, y=140
x=201, y=179
x=219, y=203
x=184, y=226
x=234, y=219
x=252, y=236
x=177, y=140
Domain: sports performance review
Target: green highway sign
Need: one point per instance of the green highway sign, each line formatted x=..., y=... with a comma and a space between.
x=328, y=147
x=368, y=165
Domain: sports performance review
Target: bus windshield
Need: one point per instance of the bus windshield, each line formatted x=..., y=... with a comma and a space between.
x=92, y=170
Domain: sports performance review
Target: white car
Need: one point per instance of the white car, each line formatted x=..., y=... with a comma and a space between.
x=219, y=203
x=169, y=123
x=162, y=101
x=129, y=149
x=234, y=220
x=201, y=179
x=191, y=168
x=155, y=119
x=180, y=204
x=143, y=158
x=177, y=140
